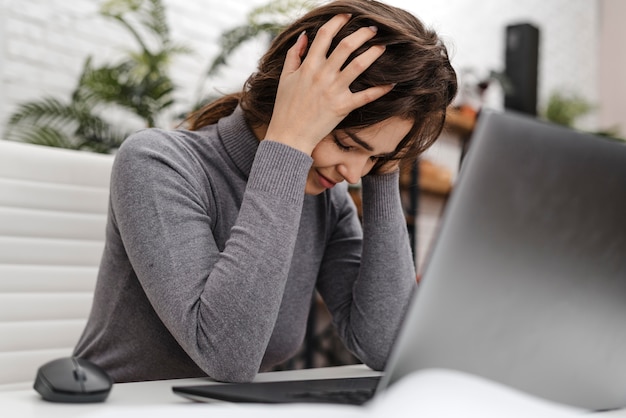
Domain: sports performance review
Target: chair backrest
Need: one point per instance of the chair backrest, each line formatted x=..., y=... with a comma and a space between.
x=53, y=205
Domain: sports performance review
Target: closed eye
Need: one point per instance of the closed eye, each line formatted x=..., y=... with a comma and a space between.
x=346, y=148
x=341, y=145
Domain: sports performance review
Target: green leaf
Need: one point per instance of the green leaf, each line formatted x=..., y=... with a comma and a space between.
x=565, y=109
x=269, y=19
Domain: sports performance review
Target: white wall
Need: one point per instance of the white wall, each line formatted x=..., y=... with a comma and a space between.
x=43, y=42
x=612, y=59
x=475, y=31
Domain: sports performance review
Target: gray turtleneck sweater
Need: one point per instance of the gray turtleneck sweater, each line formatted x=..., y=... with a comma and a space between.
x=213, y=252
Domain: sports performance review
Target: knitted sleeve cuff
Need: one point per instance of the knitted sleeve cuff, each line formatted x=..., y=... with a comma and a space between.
x=281, y=170
x=381, y=196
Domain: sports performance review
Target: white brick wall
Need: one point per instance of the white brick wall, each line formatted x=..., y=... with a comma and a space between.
x=43, y=43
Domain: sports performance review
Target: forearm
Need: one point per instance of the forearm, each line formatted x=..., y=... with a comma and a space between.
x=386, y=274
x=386, y=245
x=244, y=290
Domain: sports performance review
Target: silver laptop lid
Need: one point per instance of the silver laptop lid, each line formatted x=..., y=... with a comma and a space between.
x=526, y=283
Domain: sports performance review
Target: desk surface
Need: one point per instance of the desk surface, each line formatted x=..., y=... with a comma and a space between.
x=27, y=403
x=156, y=400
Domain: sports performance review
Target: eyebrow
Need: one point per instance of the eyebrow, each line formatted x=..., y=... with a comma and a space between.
x=359, y=141
x=364, y=144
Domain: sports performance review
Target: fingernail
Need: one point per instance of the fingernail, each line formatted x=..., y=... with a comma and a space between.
x=373, y=28
x=301, y=35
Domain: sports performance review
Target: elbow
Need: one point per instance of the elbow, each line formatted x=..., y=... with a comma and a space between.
x=229, y=366
x=375, y=353
x=233, y=374
x=223, y=364
x=375, y=362
x=226, y=357
x=374, y=357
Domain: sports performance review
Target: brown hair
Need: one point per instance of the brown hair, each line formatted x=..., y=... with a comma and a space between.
x=415, y=59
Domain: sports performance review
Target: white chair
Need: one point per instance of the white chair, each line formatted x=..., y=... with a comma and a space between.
x=53, y=205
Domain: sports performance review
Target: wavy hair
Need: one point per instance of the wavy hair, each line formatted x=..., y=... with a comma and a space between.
x=415, y=59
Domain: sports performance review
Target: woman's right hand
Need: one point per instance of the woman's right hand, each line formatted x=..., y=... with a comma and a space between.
x=314, y=94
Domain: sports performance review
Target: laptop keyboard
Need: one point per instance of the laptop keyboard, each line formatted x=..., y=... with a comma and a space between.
x=353, y=391
x=352, y=397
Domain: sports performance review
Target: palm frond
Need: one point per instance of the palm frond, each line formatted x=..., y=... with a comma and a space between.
x=269, y=19
x=280, y=12
x=46, y=111
x=233, y=38
x=53, y=123
x=140, y=16
x=145, y=93
x=140, y=84
x=155, y=19
x=44, y=135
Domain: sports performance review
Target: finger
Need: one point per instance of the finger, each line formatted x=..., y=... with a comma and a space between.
x=293, y=58
x=363, y=97
x=361, y=63
x=349, y=44
x=325, y=35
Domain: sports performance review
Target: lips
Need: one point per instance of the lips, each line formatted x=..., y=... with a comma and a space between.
x=326, y=182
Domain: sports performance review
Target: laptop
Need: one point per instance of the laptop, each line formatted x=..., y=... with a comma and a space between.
x=526, y=281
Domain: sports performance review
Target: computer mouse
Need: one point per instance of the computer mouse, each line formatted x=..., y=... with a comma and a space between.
x=72, y=380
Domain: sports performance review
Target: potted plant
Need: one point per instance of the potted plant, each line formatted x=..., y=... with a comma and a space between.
x=139, y=84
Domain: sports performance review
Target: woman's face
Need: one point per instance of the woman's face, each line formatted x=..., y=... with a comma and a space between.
x=350, y=155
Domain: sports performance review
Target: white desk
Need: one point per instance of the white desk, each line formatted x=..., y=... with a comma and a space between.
x=27, y=403
x=440, y=397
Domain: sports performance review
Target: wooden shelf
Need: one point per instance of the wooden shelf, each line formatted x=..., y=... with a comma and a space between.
x=460, y=121
x=432, y=178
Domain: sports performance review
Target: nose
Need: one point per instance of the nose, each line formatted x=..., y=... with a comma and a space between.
x=353, y=169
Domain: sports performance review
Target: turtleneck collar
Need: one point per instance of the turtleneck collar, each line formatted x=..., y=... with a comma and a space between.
x=239, y=140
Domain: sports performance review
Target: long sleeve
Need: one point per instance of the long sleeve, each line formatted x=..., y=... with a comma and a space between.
x=213, y=252
x=200, y=292
x=367, y=281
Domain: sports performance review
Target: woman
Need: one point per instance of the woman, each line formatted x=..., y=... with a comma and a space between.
x=218, y=235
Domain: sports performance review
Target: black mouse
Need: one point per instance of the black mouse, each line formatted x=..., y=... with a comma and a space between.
x=74, y=380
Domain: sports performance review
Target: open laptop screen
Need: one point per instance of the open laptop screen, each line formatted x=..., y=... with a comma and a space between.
x=526, y=283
